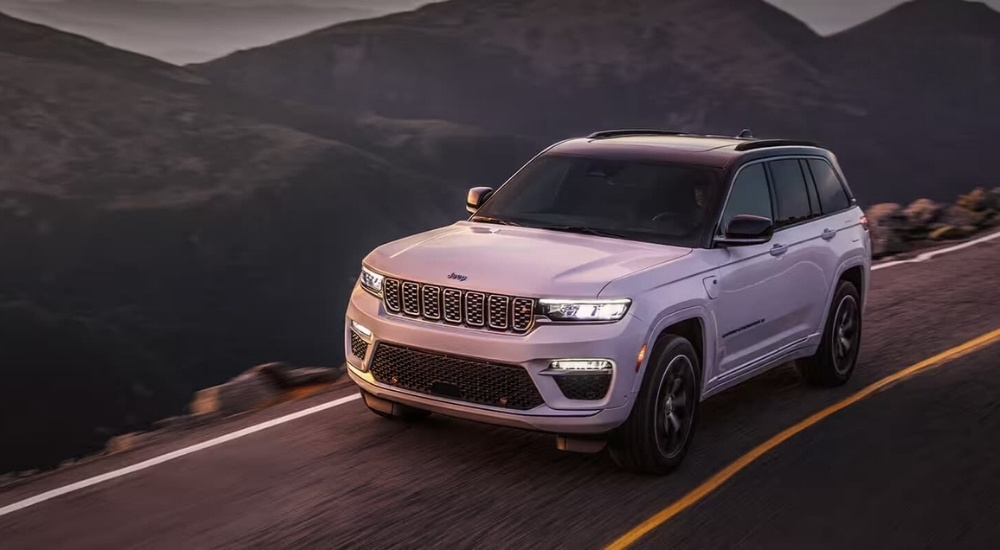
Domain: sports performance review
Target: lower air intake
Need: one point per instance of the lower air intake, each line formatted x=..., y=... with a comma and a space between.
x=473, y=381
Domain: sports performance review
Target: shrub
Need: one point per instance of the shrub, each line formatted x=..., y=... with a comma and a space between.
x=976, y=200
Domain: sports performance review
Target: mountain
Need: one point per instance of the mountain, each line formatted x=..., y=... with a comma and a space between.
x=929, y=72
x=162, y=234
x=550, y=68
x=547, y=69
x=182, y=31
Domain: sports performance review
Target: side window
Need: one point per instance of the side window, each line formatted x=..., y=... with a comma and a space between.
x=749, y=195
x=832, y=197
x=790, y=192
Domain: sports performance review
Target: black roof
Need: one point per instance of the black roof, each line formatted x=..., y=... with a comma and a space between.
x=680, y=146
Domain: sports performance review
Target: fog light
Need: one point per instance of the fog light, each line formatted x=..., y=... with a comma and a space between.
x=582, y=365
x=361, y=329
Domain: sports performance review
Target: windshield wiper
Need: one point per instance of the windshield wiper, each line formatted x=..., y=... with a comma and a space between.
x=488, y=219
x=584, y=230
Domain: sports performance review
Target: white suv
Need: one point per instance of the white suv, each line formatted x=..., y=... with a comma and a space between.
x=613, y=283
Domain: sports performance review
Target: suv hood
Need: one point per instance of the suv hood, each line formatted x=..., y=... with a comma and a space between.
x=518, y=261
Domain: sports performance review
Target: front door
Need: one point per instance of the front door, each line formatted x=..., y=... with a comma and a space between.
x=750, y=280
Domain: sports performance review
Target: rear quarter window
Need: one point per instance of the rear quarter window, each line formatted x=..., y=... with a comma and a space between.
x=832, y=196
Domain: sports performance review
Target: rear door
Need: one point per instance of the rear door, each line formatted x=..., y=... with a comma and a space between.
x=805, y=262
x=838, y=225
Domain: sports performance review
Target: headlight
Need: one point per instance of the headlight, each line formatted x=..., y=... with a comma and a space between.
x=585, y=310
x=371, y=281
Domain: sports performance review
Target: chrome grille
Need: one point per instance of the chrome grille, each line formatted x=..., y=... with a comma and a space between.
x=452, y=305
x=430, y=301
x=496, y=312
x=499, y=311
x=475, y=309
x=411, y=298
x=390, y=293
x=523, y=314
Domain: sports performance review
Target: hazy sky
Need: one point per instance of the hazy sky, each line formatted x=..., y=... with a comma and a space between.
x=188, y=31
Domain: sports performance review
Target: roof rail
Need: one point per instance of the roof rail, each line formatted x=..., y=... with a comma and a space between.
x=762, y=143
x=635, y=132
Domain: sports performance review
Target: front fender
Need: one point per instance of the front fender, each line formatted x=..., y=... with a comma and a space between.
x=709, y=329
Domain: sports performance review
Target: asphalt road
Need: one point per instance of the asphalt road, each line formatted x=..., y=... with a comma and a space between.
x=913, y=466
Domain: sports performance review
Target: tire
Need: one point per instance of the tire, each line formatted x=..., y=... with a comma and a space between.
x=393, y=410
x=837, y=355
x=658, y=432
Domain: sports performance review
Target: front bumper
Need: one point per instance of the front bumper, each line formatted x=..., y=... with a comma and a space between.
x=619, y=342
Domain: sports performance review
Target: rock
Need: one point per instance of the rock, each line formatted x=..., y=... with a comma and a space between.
x=250, y=390
x=124, y=442
x=923, y=212
x=889, y=227
x=286, y=377
x=171, y=422
x=259, y=387
x=948, y=232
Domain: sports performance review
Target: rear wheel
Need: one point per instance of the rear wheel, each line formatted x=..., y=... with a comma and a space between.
x=391, y=409
x=658, y=433
x=837, y=355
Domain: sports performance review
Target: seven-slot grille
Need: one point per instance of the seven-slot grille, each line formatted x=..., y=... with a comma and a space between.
x=459, y=307
x=469, y=380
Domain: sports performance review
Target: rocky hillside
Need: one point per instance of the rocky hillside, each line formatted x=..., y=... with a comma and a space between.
x=894, y=98
x=161, y=234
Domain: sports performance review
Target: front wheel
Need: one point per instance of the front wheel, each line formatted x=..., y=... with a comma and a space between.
x=659, y=430
x=837, y=355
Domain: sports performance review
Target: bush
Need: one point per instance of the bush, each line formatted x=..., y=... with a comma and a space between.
x=923, y=212
x=976, y=200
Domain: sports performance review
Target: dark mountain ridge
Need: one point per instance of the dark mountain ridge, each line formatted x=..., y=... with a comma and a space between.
x=547, y=69
x=622, y=63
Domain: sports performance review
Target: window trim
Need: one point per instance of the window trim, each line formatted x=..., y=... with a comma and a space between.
x=716, y=232
x=811, y=189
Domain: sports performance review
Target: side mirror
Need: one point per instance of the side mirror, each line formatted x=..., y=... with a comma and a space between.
x=477, y=197
x=745, y=229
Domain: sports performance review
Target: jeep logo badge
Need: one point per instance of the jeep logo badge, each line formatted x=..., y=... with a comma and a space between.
x=457, y=276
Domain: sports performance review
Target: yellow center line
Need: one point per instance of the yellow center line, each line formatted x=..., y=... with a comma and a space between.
x=724, y=475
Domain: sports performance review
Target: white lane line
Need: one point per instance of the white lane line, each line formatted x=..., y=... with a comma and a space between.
x=928, y=255
x=48, y=495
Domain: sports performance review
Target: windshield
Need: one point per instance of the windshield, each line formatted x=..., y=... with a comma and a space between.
x=641, y=200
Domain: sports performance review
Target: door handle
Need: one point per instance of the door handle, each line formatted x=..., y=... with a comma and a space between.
x=828, y=234
x=778, y=249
